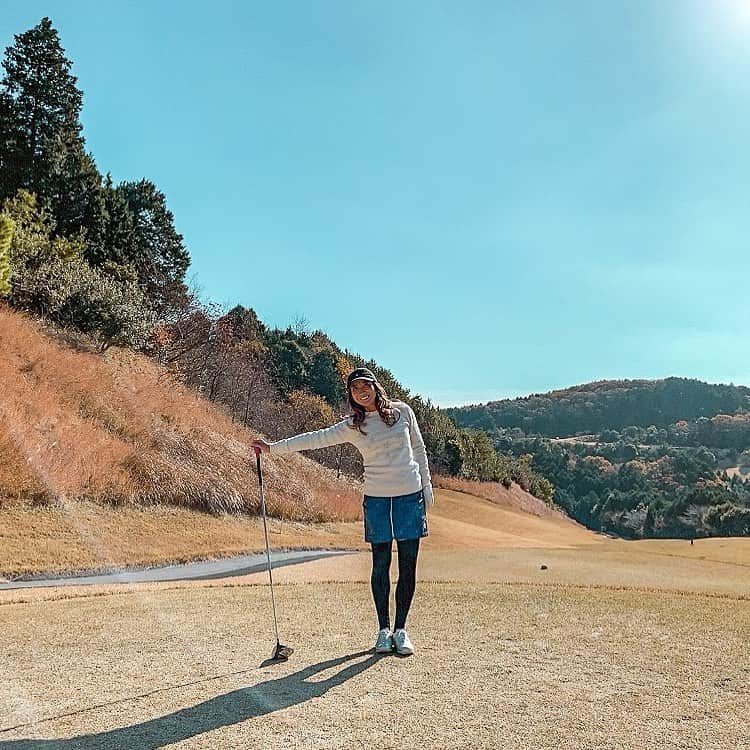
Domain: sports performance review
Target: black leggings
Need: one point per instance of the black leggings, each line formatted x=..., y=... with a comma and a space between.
x=381, y=580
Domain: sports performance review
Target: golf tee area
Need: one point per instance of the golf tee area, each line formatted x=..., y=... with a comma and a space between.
x=529, y=631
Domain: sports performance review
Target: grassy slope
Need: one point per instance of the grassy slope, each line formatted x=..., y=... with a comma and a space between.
x=117, y=429
x=105, y=461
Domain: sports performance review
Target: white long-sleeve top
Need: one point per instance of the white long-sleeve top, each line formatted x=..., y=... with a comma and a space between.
x=394, y=457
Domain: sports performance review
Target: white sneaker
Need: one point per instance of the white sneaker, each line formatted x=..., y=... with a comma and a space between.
x=403, y=644
x=384, y=643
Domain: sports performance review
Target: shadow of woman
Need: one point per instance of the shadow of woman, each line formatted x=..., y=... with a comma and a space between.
x=221, y=711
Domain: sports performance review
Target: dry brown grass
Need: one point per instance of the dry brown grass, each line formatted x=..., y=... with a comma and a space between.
x=604, y=567
x=546, y=669
x=86, y=536
x=509, y=497
x=76, y=425
x=615, y=646
x=20, y=483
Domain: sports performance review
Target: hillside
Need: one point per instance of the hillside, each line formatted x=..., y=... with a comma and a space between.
x=635, y=458
x=115, y=428
x=107, y=461
x=606, y=404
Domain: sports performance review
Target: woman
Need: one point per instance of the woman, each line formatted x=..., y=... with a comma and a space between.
x=397, y=489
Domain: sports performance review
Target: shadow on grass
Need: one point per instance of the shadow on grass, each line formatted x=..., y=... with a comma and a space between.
x=221, y=711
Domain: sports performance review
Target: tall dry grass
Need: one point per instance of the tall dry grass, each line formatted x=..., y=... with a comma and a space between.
x=117, y=428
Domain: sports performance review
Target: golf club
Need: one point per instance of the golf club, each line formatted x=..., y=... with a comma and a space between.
x=281, y=653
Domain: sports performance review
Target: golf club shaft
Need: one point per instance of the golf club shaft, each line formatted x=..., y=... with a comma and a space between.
x=268, y=549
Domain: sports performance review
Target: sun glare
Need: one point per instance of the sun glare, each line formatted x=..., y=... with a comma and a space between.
x=736, y=13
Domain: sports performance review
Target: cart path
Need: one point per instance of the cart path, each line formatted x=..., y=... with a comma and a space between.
x=196, y=571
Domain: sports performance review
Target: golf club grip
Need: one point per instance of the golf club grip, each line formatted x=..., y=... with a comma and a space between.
x=257, y=463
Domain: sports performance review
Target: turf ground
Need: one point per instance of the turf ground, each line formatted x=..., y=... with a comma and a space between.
x=615, y=645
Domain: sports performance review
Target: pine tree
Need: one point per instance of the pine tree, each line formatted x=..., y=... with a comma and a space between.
x=649, y=522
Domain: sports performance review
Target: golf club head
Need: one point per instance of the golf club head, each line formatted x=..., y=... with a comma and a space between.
x=282, y=653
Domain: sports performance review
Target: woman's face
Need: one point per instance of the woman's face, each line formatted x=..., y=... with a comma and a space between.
x=363, y=393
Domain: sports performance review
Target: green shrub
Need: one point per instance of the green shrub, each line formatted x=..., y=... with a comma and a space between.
x=6, y=234
x=75, y=294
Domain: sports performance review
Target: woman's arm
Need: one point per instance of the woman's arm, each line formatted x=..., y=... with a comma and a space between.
x=338, y=433
x=420, y=454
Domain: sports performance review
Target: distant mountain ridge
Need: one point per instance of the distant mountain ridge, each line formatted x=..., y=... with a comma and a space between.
x=606, y=404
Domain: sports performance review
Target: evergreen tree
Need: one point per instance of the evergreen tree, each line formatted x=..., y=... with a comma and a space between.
x=323, y=377
x=50, y=276
x=649, y=522
x=41, y=145
x=119, y=230
x=157, y=252
x=288, y=364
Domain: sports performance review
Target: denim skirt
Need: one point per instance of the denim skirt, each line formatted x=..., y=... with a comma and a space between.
x=399, y=517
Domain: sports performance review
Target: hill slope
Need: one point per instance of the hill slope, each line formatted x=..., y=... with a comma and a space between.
x=117, y=429
x=106, y=461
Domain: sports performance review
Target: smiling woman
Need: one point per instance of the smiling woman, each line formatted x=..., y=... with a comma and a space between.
x=363, y=392
x=396, y=492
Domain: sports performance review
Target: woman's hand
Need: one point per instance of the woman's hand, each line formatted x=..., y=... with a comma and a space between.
x=262, y=444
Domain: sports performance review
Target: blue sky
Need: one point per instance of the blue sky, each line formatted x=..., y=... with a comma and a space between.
x=489, y=198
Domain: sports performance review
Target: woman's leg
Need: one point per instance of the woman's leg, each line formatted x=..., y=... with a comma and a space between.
x=381, y=581
x=408, y=549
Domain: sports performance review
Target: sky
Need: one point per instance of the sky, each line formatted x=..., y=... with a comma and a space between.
x=490, y=199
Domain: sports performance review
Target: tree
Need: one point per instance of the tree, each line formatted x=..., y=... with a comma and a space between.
x=156, y=252
x=288, y=363
x=323, y=377
x=649, y=522
x=479, y=458
x=114, y=252
x=48, y=275
x=308, y=412
x=609, y=436
x=42, y=149
x=245, y=324
x=34, y=239
x=6, y=234
x=75, y=294
x=729, y=519
x=300, y=326
x=41, y=107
